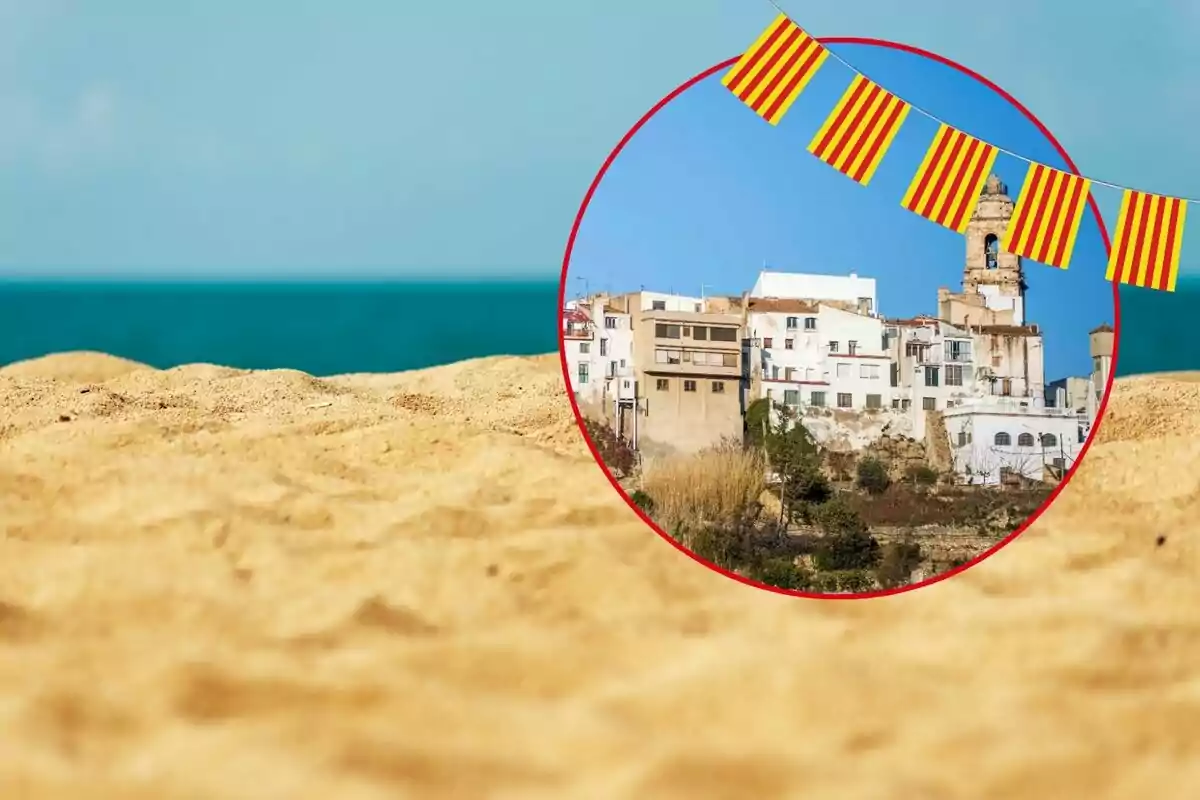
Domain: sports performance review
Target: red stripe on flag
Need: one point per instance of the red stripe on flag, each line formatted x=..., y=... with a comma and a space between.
x=1164, y=281
x=855, y=123
x=1126, y=232
x=959, y=139
x=933, y=162
x=814, y=51
x=1141, y=238
x=1159, y=213
x=897, y=108
x=1018, y=225
x=1076, y=209
x=1055, y=213
x=749, y=88
x=746, y=69
x=976, y=176
x=843, y=112
x=956, y=185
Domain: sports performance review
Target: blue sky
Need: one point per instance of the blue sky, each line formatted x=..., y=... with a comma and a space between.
x=373, y=136
x=706, y=192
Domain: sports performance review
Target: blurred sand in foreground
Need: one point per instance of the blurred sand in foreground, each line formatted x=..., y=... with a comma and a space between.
x=222, y=584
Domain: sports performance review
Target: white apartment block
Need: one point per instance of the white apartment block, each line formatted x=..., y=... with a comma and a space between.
x=849, y=289
x=599, y=350
x=993, y=436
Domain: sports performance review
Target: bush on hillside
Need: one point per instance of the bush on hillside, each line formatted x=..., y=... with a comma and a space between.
x=872, y=476
x=614, y=450
x=896, y=564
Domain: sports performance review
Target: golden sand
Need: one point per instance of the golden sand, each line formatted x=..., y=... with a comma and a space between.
x=223, y=584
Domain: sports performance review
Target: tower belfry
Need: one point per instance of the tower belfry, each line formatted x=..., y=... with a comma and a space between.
x=988, y=270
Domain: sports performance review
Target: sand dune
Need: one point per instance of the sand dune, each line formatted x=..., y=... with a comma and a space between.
x=216, y=583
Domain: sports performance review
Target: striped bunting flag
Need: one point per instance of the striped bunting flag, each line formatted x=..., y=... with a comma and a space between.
x=1047, y=216
x=772, y=73
x=946, y=187
x=858, y=132
x=1149, y=237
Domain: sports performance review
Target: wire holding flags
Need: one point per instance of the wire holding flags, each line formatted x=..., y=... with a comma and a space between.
x=945, y=188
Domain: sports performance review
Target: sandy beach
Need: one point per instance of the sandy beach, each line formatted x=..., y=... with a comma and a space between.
x=223, y=584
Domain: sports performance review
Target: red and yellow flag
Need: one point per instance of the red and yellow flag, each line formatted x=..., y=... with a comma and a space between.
x=1149, y=237
x=858, y=132
x=1046, y=219
x=772, y=73
x=946, y=187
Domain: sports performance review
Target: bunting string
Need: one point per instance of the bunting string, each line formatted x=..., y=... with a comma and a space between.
x=946, y=188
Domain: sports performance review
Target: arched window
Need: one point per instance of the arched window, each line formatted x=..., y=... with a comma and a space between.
x=1003, y=439
x=991, y=248
x=1049, y=440
x=1025, y=440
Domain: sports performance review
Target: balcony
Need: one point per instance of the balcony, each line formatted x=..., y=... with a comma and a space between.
x=579, y=331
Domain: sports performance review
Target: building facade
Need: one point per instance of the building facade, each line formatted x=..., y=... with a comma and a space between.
x=993, y=438
x=688, y=369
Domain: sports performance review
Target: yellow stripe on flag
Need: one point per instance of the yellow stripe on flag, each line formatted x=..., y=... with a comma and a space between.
x=776, y=69
x=1148, y=240
x=858, y=132
x=946, y=187
x=1047, y=216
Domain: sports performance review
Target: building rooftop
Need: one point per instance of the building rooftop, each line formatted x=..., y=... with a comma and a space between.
x=781, y=305
x=1103, y=328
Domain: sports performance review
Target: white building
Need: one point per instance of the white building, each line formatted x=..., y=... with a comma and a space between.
x=933, y=367
x=815, y=355
x=599, y=345
x=659, y=301
x=992, y=437
x=848, y=289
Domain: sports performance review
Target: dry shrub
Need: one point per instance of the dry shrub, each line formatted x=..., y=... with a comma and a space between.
x=717, y=487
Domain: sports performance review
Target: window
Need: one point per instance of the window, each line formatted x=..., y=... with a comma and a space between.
x=791, y=397
x=929, y=404
x=905, y=404
x=954, y=375
x=687, y=357
x=810, y=323
x=1002, y=439
x=789, y=374
x=774, y=372
x=895, y=374
x=662, y=384
x=687, y=331
x=728, y=359
x=962, y=438
x=610, y=323
x=1006, y=387
x=874, y=401
x=896, y=403
x=958, y=350
x=991, y=247
x=583, y=373
x=789, y=344
x=793, y=323
x=718, y=387
x=689, y=386
x=1025, y=440
x=622, y=363
x=697, y=307
x=658, y=305
x=604, y=347
x=768, y=342
x=843, y=370
x=865, y=304
x=995, y=361
x=723, y=334
x=585, y=348
x=664, y=331
x=869, y=371
x=853, y=347
x=667, y=356
x=833, y=347
x=931, y=376
x=845, y=400
x=817, y=399
x=699, y=332
x=1049, y=440
x=913, y=350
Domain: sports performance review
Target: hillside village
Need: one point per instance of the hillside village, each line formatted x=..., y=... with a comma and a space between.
x=966, y=384
x=796, y=435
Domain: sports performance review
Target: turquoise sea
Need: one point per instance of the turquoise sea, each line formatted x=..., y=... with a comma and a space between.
x=1156, y=329
x=323, y=328
x=327, y=328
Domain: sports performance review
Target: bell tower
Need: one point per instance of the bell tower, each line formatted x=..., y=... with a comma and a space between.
x=989, y=271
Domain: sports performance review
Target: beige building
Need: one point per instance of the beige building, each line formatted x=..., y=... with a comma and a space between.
x=688, y=367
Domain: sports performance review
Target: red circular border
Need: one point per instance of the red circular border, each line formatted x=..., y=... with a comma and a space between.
x=562, y=297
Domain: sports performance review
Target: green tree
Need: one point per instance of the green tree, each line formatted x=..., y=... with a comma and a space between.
x=872, y=476
x=794, y=456
x=847, y=544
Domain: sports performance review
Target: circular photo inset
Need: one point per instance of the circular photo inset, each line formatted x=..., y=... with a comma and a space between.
x=800, y=382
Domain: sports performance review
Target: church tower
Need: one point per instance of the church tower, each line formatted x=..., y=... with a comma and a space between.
x=989, y=271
